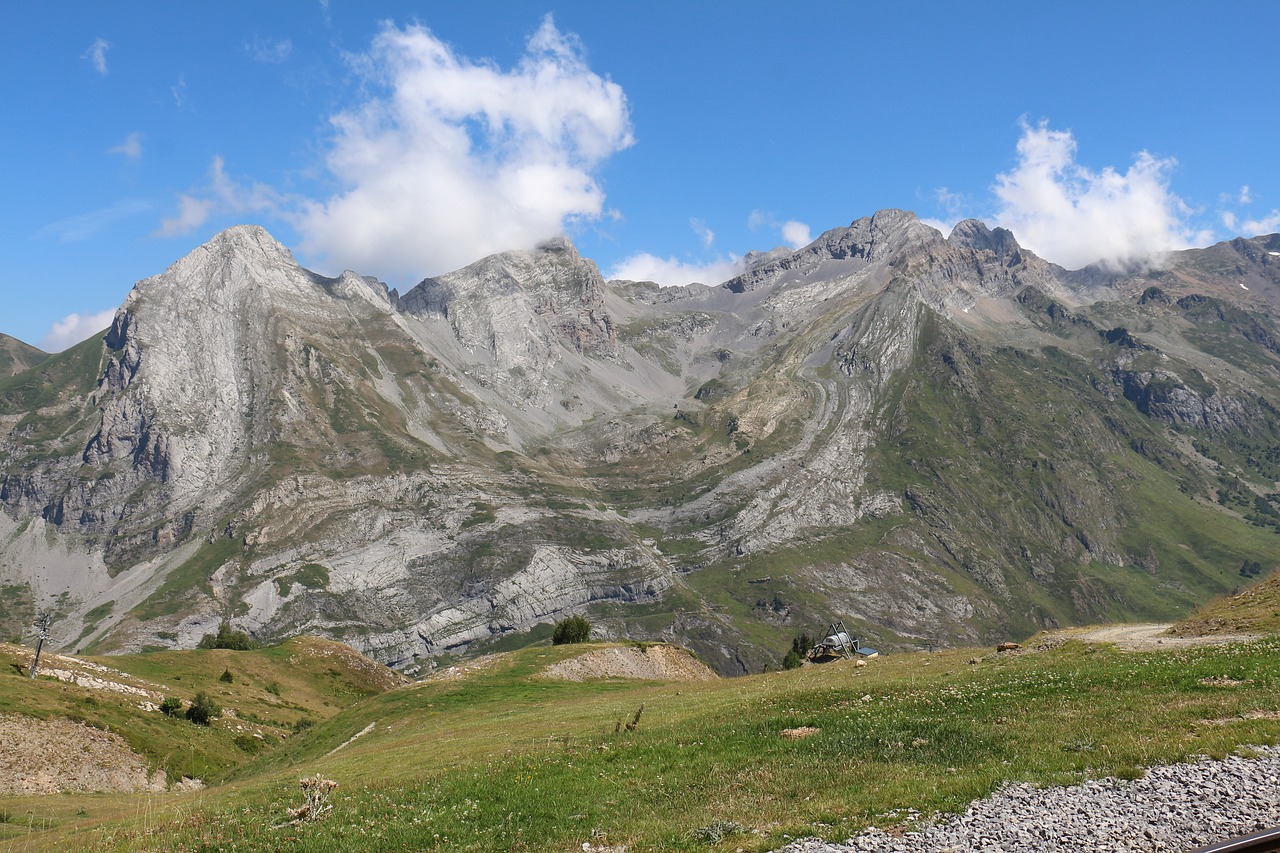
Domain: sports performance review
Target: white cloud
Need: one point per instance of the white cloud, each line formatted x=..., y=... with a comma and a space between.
x=1245, y=197
x=457, y=159
x=271, y=51
x=705, y=234
x=97, y=54
x=223, y=195
x=74, y=328
x=942, y=225
x=82, y=226
x=669, y=272
x=1268, y=224
x=796, y=234
x=179, y=91
x=130, y=148
x=1074, y=216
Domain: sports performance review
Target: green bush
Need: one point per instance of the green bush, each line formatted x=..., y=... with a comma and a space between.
x=574, y=629
x=226, y=638
x=171, y=706
x=203, y=710
x=226, y=677
x=302, y=724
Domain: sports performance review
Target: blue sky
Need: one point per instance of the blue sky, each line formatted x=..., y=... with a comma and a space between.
x=667, y=139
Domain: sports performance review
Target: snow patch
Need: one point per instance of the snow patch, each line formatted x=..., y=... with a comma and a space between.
x=1242, y=286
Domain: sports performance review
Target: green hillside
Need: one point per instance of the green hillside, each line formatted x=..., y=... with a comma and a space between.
x=502, y=758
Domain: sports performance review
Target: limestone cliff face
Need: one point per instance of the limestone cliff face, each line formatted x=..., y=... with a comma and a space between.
x=942, y=438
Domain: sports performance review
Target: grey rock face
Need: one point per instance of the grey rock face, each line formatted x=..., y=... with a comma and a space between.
x=519, y=440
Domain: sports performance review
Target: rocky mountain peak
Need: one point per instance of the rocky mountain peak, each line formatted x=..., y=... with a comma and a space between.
x=974, y=234
x=516, y=303
x=867, y=240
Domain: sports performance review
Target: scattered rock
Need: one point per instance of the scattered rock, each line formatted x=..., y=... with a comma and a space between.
x=800, y=732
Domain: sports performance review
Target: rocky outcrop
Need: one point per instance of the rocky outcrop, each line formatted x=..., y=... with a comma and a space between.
x=925, y=434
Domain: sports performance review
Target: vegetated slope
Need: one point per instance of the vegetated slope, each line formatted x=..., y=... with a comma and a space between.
x=16, y=356
x=506, y=758
x=1255, y=610
x=939, y=440
x=269, y=692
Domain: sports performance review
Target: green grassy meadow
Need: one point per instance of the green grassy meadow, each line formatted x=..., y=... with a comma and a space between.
x=505, y=759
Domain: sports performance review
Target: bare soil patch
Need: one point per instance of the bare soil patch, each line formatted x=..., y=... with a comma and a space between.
x=657, y=662
x=57, y=756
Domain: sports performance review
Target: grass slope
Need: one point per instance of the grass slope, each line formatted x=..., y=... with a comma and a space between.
x=506, y=760
x=1254, y=611
x=270, y=691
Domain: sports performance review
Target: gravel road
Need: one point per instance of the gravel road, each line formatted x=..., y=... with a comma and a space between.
x=1172, y=808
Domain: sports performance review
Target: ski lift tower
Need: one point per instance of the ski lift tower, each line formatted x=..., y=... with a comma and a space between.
x=43, y=625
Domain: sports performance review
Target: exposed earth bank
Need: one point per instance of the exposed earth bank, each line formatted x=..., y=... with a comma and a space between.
x=61, y=756
x=655, y=662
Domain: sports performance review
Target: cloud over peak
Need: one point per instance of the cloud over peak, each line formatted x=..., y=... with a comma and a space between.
x=1075, y=216
x=74, y=328
x=454, y=159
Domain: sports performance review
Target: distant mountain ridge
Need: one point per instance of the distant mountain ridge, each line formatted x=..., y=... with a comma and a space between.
x=937, y=439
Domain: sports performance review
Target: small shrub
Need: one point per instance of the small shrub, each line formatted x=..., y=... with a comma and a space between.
x=274, y=688
x=226, y=638
x=226, y=677
x=303, y=724
x=574, y=629
x=249, y=744
x=203, y=710
x=718, y=831
x=171, y=706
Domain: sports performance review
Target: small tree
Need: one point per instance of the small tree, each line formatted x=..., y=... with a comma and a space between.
x=171, y=706
x=203, y=710
x=226, y=677
x=800, y=646
x=574, y=629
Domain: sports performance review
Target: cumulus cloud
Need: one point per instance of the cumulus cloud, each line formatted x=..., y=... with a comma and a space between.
x=796, y=234
x=223, y=195
x=1075, y=216
x=453, y=159
x=643, y=266
x=74, y=328
x=271, y=51
x=131, y=148
x=82, y=226
x=97, y=55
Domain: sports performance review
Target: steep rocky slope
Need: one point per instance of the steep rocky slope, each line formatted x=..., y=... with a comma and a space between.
x=937, y=439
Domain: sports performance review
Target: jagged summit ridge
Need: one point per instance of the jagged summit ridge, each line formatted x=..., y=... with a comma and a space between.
x=519, y=440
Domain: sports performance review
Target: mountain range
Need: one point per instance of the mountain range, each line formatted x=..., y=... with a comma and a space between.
x=939, y=440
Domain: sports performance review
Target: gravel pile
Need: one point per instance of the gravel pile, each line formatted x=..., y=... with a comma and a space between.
x=1177, y=807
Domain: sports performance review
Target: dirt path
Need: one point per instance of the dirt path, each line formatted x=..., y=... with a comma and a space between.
x=1145, y=638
